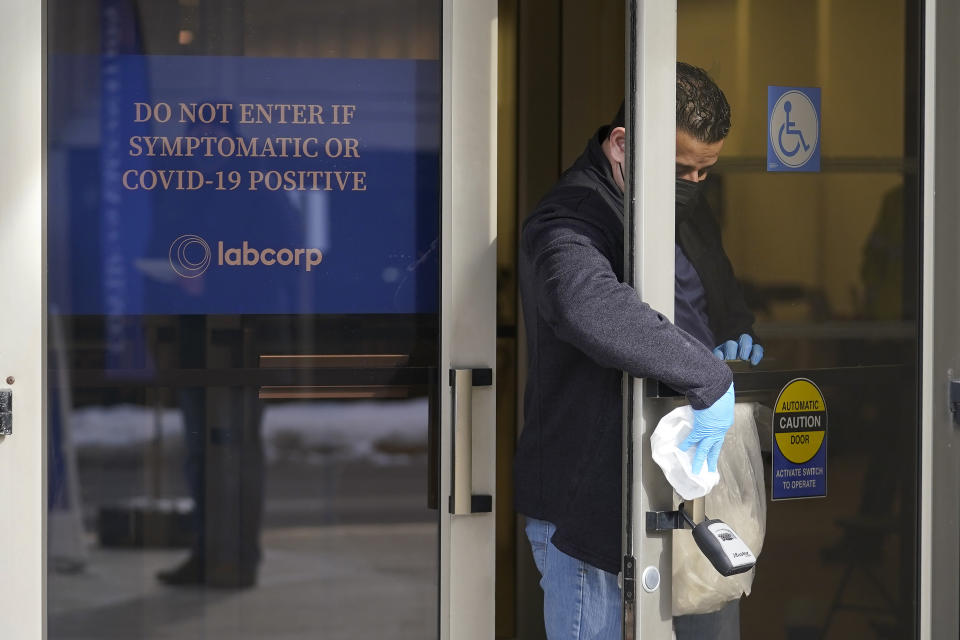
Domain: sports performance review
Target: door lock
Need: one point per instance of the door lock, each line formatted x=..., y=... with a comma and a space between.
x=955, y=401
x=6, y=412
x=728, y=554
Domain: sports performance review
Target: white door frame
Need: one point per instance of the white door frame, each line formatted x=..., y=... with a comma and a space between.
x=940, y=447
x=651, y=36
x=22, y=325
x=468, y=306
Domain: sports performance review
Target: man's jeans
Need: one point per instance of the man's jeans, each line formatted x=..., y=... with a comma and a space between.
x=580, y=602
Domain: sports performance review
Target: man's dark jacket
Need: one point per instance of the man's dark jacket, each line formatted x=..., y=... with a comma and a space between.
x=584, y=327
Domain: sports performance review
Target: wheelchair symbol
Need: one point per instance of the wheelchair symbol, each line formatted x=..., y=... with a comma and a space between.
x=790, y=128
x=793, y=131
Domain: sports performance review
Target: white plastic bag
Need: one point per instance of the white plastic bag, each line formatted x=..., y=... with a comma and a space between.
x=677, y=465
x=739, y=499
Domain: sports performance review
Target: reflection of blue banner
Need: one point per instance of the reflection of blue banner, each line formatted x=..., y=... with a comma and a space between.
x=121, y=238
x=244, y=185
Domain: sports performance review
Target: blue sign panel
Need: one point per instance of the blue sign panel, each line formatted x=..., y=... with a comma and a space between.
x=229, y=185
x=799, y=442
x=793, y=129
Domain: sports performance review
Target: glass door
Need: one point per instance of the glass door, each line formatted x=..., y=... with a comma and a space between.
x=817, y=194
x=270, y=296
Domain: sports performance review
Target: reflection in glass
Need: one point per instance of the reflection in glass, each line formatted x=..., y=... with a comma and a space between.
x=828, y=262
x=244, y=279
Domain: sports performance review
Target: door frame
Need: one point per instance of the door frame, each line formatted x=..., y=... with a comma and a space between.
x=651, y=52
x=23, y=461
x=940, y=445
x=468, y=308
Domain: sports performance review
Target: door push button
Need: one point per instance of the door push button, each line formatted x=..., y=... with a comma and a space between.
x=650, y=579
x=6, y=412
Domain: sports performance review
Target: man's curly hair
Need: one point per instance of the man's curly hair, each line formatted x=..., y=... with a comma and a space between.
x=702, y=109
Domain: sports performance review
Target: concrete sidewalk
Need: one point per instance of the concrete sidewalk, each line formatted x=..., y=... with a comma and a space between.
x=336, y=583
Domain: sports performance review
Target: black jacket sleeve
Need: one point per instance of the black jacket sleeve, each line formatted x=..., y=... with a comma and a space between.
x=582, y=300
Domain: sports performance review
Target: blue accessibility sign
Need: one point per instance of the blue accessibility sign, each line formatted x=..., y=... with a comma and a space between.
x=793, y=129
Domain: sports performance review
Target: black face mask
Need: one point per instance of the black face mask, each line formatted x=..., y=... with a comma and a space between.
x=688, y=192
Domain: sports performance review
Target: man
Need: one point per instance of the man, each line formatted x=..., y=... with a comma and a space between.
x=222, y=426
x=585, y=326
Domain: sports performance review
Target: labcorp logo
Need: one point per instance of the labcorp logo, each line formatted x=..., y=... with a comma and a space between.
x=190, y=256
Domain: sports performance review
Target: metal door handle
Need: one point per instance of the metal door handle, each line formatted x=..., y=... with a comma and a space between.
x=462, y=498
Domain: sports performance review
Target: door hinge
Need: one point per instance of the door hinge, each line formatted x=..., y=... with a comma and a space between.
x=629, y=579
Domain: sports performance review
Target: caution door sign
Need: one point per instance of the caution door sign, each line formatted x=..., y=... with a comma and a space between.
x=799, y=442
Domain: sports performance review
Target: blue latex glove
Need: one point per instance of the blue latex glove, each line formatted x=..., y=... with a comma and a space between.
x=709, y=428
x=744, y=350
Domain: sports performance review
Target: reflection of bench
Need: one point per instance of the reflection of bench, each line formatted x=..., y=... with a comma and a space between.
x=362, y=376
x=762, y=298
x=334, y=362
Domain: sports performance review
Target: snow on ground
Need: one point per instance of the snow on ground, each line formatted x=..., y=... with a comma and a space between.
x=378, y=430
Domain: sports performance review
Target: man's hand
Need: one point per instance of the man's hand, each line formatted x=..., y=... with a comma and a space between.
x=710, y=425
x=745, y=350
